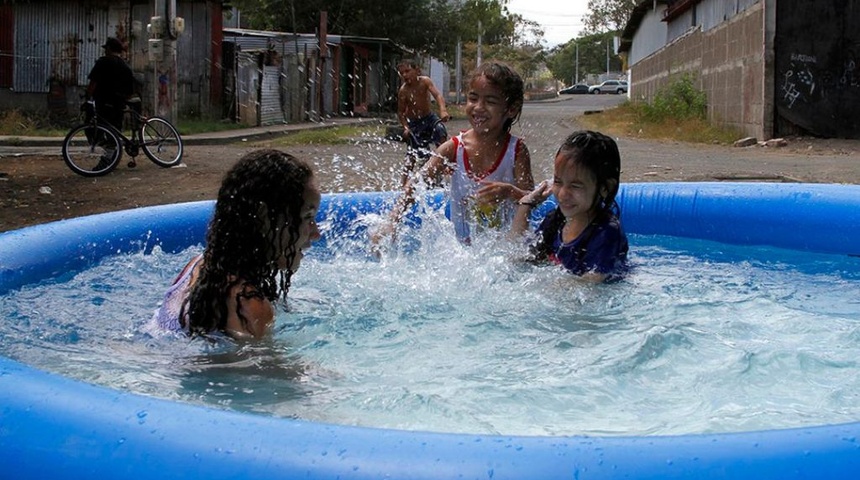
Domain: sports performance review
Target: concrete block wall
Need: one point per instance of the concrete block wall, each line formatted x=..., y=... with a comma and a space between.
x=728, y=63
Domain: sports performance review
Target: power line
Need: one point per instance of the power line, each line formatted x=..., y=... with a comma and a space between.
x=561, y=24
x=547, y=14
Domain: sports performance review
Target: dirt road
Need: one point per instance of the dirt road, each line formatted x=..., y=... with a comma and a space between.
x=36, y=186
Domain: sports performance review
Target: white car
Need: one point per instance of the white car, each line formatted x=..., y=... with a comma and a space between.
x=609, y=86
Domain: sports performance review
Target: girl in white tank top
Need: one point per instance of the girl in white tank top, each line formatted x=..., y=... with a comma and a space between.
x=491, y=169
x=466, y=211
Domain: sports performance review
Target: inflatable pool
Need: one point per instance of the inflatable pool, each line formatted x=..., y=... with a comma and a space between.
x=55, y=427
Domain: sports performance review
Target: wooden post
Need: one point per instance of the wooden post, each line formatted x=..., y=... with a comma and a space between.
x=322, y=69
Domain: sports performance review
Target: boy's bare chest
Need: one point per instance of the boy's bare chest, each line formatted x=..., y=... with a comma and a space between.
x=414, y=93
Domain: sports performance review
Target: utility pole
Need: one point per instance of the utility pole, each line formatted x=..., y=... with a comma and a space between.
x=164, y=29
x=459, y=68
x=607, y=60
x=480, y=31
x=320, y=74
x=577, y=62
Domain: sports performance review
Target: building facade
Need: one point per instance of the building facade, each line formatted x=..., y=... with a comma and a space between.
x=201, y=70
x=769, y=68
x=47, y=48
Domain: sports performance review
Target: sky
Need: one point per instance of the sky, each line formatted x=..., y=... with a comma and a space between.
x=561, y=20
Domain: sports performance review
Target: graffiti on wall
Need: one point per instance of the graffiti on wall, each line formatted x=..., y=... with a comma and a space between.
x=816, y=75
x=798, y=82
x=849, y=74
x=804, y=81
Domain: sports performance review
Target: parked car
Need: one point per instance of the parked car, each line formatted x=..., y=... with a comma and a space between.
x=609, y=86
x=574, y=89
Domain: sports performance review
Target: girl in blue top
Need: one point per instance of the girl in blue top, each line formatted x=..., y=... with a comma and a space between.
x=583, y=233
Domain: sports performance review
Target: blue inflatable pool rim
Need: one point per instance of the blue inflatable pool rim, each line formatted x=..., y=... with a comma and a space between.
x=55, y=427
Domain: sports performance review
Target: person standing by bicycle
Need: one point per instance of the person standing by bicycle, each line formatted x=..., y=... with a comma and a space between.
x=94, y=147
x=111, y=83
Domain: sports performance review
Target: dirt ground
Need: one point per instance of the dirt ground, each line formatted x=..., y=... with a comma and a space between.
x=37, y=187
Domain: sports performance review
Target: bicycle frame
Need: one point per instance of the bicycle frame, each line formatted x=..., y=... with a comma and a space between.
x=132, y=143
x=156, y=136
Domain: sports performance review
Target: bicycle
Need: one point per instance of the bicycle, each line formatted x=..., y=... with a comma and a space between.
x=94, y=148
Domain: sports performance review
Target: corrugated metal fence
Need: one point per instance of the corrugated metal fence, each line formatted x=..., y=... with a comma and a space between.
x=51, y=44
x=271, y=76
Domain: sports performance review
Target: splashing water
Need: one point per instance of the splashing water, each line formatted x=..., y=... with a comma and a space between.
x=701, y=337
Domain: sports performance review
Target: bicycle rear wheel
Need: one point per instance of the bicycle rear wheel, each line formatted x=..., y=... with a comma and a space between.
x=91, y=150
x=161, y=142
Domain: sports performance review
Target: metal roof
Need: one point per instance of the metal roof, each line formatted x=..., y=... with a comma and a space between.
x=635, y=20
x=307, y=37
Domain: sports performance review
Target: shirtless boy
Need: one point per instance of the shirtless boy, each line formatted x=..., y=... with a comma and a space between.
x=422, y=129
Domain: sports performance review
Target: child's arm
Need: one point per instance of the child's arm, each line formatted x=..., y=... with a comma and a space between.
x=402, y=100
x=523, y=171
x=260, y=314
x=495, y=192
x=525, y=205
x=440, y=100
x=592, y=277
x=432, y=170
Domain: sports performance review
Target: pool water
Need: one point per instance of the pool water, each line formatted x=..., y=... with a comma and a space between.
x=700, y=337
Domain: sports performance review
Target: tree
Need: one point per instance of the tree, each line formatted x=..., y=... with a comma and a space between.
x=496, y=24
x=604, y=20
x=608, y=15
x=428, y=26
x=592, y=58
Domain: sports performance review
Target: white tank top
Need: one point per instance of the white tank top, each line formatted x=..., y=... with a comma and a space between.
x=467, y=216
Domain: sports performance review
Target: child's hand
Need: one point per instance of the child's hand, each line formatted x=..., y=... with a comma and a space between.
x=382, y=234
x=492, y=193
x=537, y=196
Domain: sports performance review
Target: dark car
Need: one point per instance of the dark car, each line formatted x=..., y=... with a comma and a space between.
x=574, y=89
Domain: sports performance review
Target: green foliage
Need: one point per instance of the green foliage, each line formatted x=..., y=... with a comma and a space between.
x=679, y=99
x=592, y=57
x=678, y=112
x=13, y=122
x=525, y=60
x=19, y=123
x=427, y=26
x=628, y=119
x=608, y=15
x=330, y=135
x=190, y=126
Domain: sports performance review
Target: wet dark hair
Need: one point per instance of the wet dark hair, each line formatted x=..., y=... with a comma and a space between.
x=508, y=81
x=260, y=196
x=409, y=62
x=597, y=153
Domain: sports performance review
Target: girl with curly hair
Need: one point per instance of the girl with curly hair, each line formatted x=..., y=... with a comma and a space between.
x=264, y=220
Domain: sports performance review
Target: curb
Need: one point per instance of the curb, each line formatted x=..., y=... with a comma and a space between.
x=230, y=136
x=214, y=138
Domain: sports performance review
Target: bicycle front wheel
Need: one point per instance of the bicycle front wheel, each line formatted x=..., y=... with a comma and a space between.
x=161, y=142
x=91, y=150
